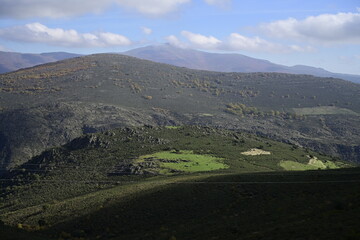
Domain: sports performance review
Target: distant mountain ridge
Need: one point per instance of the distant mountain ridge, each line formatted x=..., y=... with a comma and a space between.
x=12, y=61
x=225, y=62
x=189, y=58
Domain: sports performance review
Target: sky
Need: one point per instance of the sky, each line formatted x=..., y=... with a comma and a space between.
x=318, y=33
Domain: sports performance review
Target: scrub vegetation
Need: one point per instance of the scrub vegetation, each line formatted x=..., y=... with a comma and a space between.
x=113, y=147
x=172, y=182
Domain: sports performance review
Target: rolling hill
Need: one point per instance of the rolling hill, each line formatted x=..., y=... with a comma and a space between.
x=109, y=146
x=51, y=104
x=12, y=61
x=225, y=62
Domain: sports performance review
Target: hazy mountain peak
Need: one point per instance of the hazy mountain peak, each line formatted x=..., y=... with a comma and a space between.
x=224, y=62
x=11, y=61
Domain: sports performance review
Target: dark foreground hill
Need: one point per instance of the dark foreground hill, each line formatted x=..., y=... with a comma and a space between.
x=180, y=183
x=225, y=62
x=11, y=61
x=51, y=104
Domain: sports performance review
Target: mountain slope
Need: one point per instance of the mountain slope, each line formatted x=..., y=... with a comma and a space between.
x=113, y=181
x=51, y=104
x=225, y=62
x=11, y=61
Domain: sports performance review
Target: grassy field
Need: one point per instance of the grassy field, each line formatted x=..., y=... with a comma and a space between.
x=324, y=110
x=313, y=164
x=184, y=161
x=172, y=127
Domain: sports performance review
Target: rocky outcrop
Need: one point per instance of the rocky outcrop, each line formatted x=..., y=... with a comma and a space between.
x=25, y=133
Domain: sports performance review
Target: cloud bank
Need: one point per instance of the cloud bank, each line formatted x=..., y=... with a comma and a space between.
x=198, y=40
x=325, y=28
x=21, y=9
x=174, y=41
x=152, y=7
x=234, y=42
x=39, y=33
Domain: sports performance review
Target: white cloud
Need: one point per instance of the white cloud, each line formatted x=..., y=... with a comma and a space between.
x=235, y=42
x=153, y=8
x=297, y=48
x=39, y=33
x=50, y=8
x=174, y=41
x=257, y=44
x=68, y=8
x=22, y=9
x=325, y=28
x=221, y=3
x=146, y=30
x=240, y=42
x=106, y=39
x=207, y=42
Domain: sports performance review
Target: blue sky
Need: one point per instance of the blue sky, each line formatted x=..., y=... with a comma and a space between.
x=321, y=33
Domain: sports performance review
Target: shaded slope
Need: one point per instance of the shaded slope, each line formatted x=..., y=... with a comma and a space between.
x=27, y=132
x=224, y=207
x=244, y=206
x=215, y=209
x=80, y=177
x=322, y=205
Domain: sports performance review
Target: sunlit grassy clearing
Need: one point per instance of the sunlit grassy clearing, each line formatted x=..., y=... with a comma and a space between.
x=314, y=164
x=186, y=161
x=324, y=110
x=172, y=127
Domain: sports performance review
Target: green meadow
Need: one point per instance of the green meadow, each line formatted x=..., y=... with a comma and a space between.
x=185, y=161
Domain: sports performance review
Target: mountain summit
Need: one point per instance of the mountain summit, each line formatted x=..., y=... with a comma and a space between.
x=194, y=59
